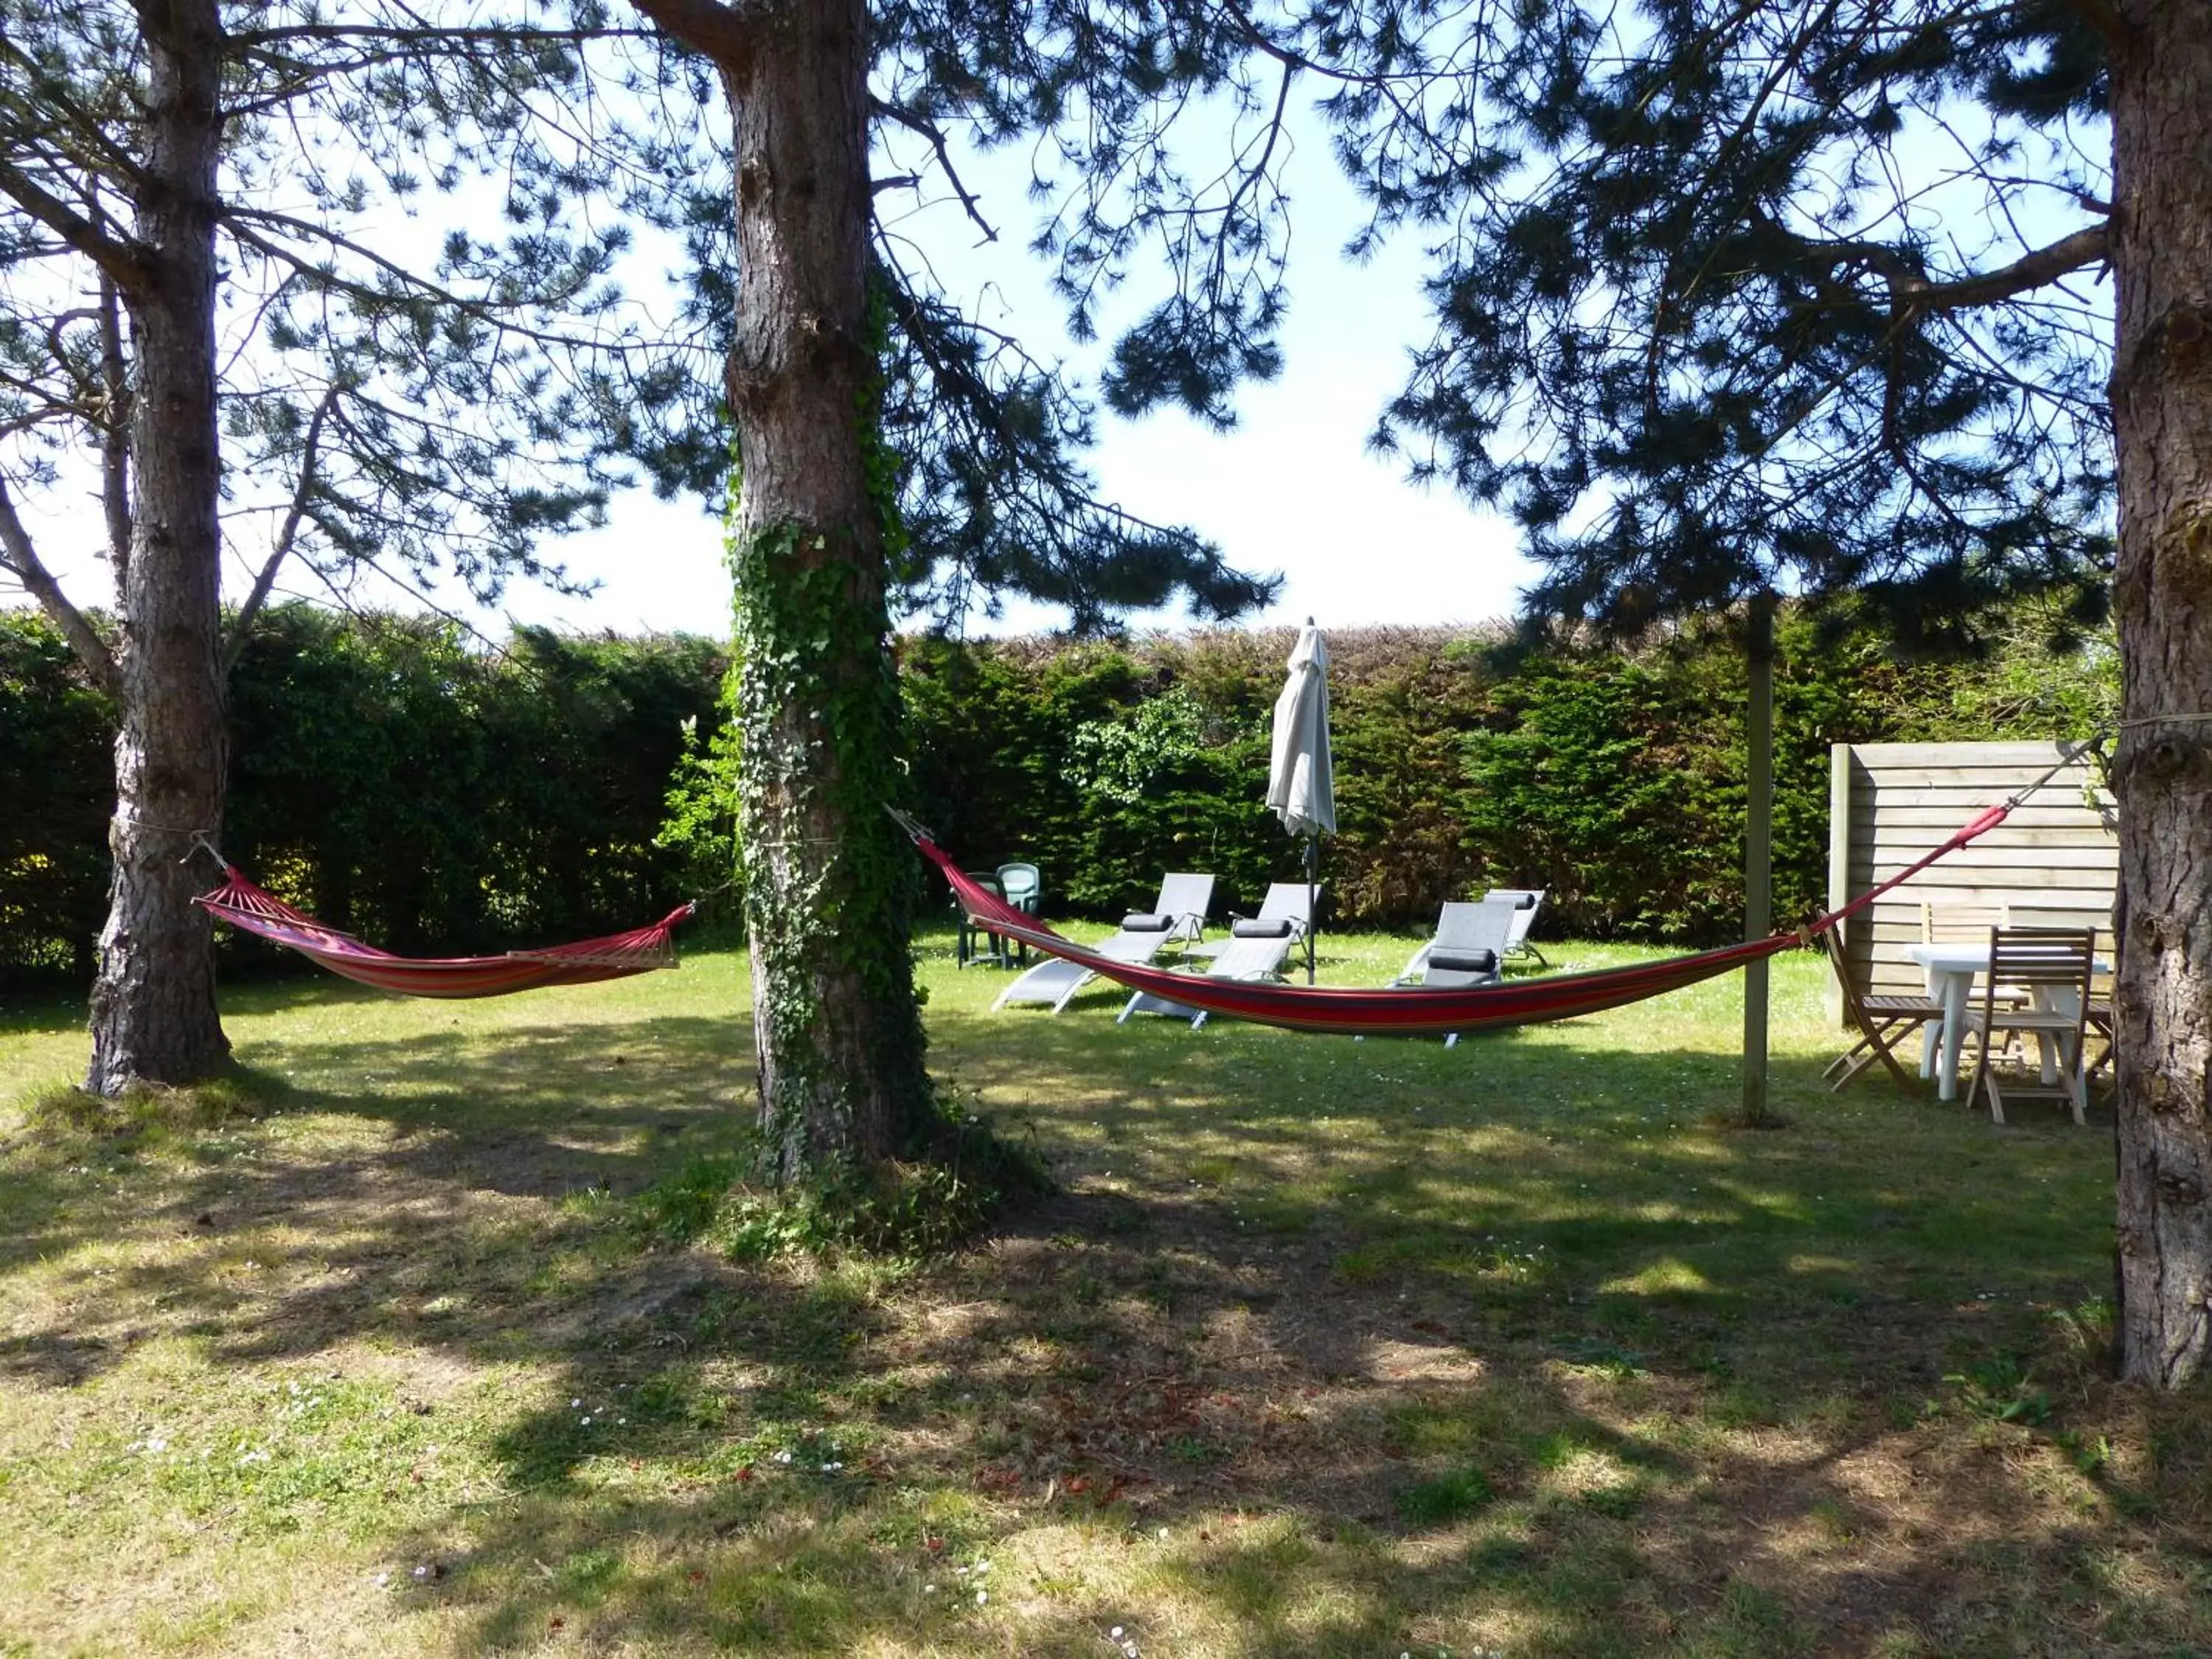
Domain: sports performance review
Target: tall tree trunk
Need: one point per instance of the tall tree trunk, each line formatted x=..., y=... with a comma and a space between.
x=153, y=1004
x=2162, y=82
x=828, y=876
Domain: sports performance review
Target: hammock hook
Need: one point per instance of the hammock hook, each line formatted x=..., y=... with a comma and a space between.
x=915, y=828
x=202, y=844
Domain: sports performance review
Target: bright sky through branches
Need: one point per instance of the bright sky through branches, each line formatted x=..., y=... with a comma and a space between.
x=1291, y=489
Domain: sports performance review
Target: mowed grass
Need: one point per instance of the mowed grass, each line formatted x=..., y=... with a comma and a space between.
x=1324, y=1348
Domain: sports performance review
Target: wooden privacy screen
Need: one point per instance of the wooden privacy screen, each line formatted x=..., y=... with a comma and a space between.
x=2055, y=862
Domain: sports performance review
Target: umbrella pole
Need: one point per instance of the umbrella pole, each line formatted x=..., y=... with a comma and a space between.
x=1313, y=918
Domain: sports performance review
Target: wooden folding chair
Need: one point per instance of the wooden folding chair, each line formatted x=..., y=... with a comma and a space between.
x=1882, y=1022
x=2098, y=1021
x=1944, y=922
x=2054, y=965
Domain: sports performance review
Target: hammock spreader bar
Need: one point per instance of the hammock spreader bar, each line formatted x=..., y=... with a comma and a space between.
x=1416, y=1010
x=245, y=906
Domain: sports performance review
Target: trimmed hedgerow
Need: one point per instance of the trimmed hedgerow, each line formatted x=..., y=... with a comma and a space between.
x=430, y=795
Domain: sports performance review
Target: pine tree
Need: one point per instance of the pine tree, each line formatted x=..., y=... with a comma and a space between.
x=212, y=288
x=1739, y=298
x=891, y=453
x=1730, y=299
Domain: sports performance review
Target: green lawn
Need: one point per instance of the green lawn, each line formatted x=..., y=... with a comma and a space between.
x=1325, y=1348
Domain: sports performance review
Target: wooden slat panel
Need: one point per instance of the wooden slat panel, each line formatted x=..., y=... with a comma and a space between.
x=2051, y=848
x=2053, y=861
x=1993, y=885
x=1998, y=780
x=1944, y=876
x=2029, y=758
x=1941, y=818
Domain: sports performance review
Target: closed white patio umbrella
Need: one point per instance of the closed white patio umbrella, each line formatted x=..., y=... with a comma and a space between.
x=1301, y=780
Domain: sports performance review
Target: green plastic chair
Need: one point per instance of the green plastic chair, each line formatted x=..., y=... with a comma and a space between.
x=1024, y=887
x=978, y=944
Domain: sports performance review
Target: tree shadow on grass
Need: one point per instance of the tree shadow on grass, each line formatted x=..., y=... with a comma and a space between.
x=38, y=1008
x=1354, y=1294
x=1335, y=1472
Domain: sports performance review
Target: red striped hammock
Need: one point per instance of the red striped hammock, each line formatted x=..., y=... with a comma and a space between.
x=244, y=905
x=1415, y=1011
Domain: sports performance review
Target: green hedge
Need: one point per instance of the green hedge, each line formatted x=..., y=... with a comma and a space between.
x=1614, y=779
x=384, y=776
x=430, y=796
x=57, y=787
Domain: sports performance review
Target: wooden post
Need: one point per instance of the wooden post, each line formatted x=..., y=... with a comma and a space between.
x=1839, y=861
x=1757, y=850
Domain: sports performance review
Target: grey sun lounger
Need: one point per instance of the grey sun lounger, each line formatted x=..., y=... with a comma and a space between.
x=1469, y=948
x=1255, y=948
x=1179, y=914
x=1527, y=902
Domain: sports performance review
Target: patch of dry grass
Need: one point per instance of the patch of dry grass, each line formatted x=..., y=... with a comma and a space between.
x=1325, y=1348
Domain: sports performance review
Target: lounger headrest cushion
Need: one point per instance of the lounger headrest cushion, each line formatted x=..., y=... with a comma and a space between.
x=1524, y=901
x=1465, y=962
x=1252, y=927
x=1141, y=921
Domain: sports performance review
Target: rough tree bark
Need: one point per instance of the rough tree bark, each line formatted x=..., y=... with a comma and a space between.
x=837, y=1024
x=2161, y=81
x=154, y=1014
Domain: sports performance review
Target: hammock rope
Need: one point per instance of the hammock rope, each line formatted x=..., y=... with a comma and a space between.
x=1415, y=1011
x=251, y=909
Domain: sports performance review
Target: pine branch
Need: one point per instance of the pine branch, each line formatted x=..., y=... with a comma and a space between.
x=242, y=625
x=115, y=430
x=1911, y=291
x=429, y=35
x=122, y=257
x=20, y=557
x=914, y=122
x=728, y=34
x=2104, y=17
x=494, y=313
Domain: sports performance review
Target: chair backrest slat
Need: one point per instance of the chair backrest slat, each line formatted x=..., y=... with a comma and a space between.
x=1853, y=1009
x=1183, y=894
x=2042, y=956
x=1486, y=925
x=1945, y=923
x=1285, y=901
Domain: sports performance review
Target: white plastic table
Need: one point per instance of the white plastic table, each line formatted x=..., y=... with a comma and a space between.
x=1952, y=969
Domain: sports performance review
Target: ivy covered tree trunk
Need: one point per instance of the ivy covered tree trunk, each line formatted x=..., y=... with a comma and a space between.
x=2161, y=99
x=154, y=1014
x=837, y=1023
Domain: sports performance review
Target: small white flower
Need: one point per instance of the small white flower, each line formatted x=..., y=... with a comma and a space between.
x=783, y=1456
x=929, y=1589
x=1115, y=1633
x=981, y=1596
x=1163, y=1532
